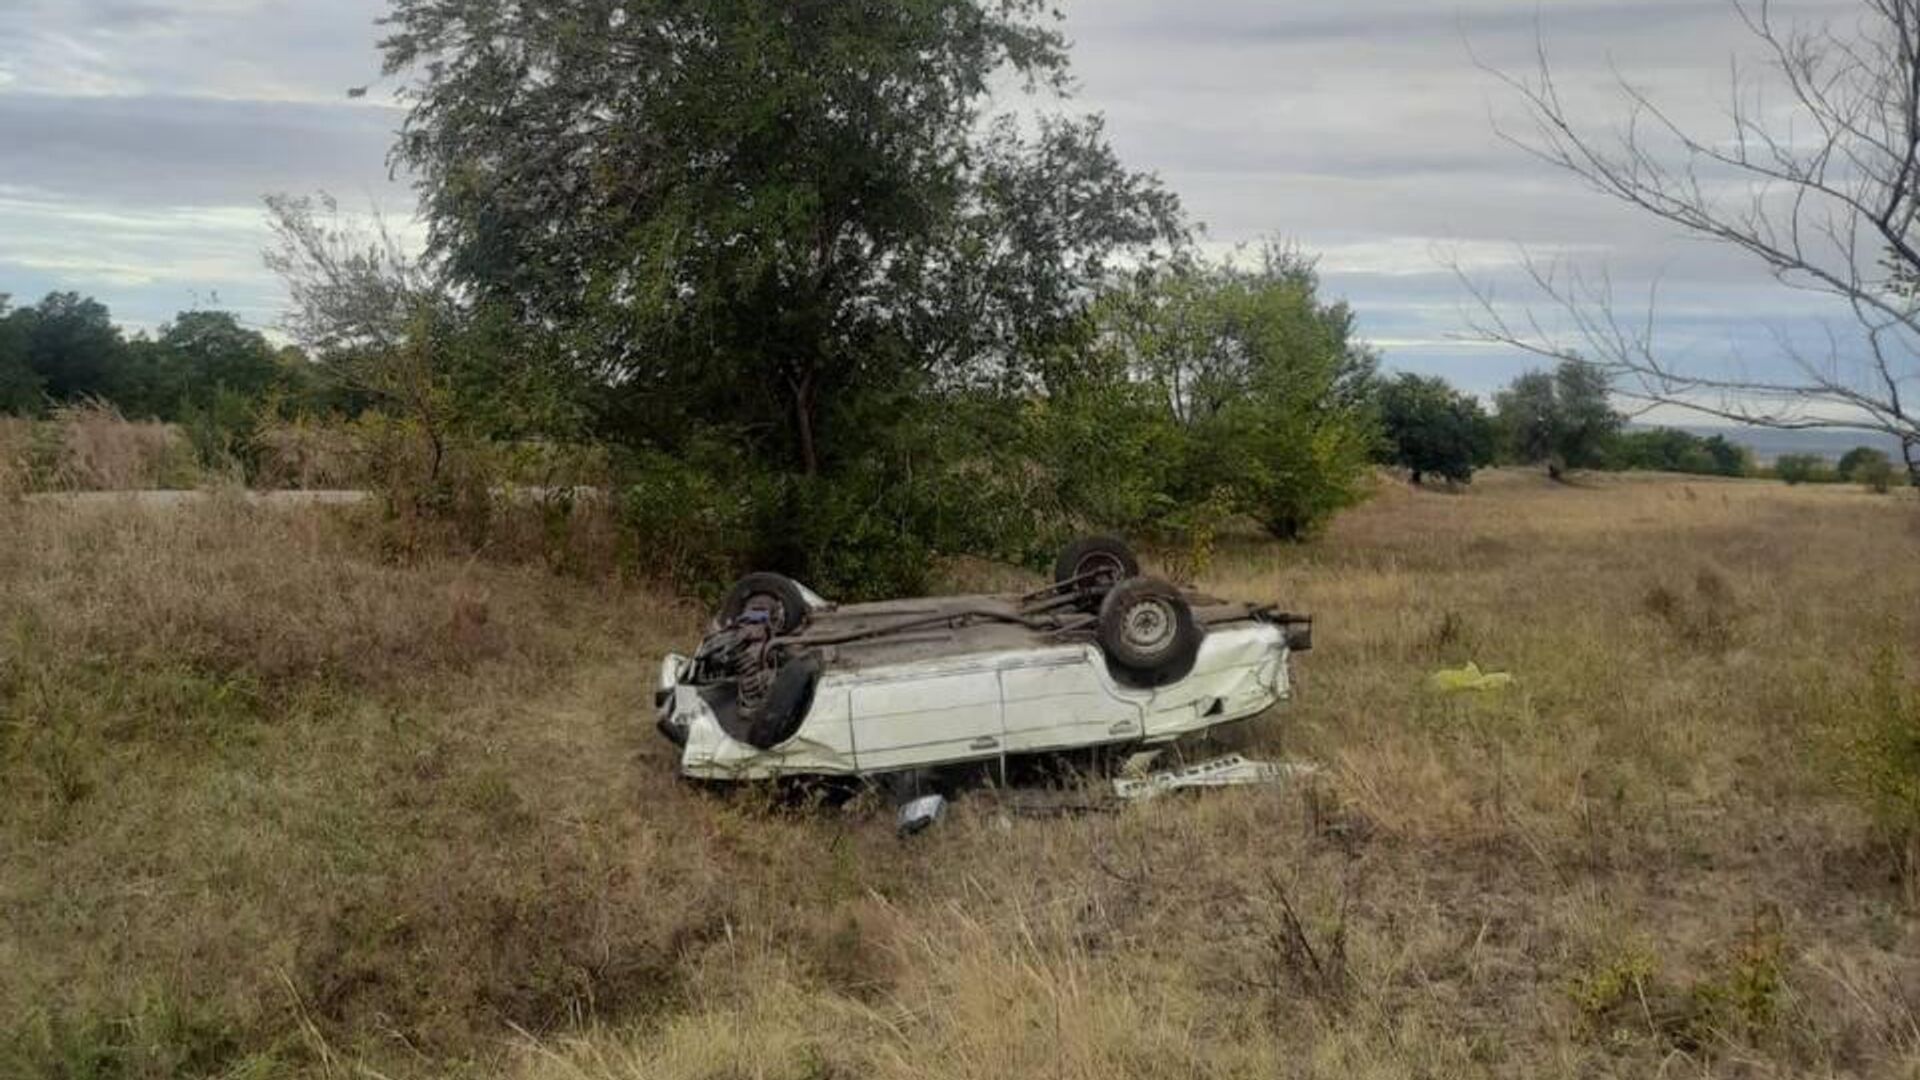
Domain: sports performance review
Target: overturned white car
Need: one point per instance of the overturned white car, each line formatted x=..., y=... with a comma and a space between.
x=788, y=684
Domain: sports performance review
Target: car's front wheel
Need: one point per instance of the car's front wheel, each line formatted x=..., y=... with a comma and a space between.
x=1148, y=632
x=776, y=716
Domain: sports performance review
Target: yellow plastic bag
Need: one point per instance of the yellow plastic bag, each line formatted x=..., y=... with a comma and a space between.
x=1453, y=680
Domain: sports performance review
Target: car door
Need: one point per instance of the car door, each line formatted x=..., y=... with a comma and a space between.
x=1063, y=698
x=926, y=718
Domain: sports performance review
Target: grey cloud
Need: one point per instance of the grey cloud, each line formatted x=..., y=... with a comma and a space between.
x=1645, y=24
x=189, y=151
x=212, y=48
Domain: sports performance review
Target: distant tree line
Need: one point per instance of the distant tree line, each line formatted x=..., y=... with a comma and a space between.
x=203, y=370
x=67, y=349
x=1562, y=420
x=1175, y=366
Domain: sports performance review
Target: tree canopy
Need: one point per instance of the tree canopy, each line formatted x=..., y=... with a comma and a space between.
x=742, y=217
x=1231, y=385
x=74, y=347
x=1561, y=418
x=1432, y=429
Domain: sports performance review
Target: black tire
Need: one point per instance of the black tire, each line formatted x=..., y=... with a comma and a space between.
x=1103, y=555
x=1148, y=632
x=778, y=596
x=787, y=703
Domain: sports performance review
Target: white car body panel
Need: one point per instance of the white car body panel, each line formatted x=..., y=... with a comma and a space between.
x=984, y=705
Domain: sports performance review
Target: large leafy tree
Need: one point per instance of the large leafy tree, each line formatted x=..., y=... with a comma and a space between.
x=1262, y=391
x=1432, y=429
x=1561, y=418
x=750, y=215
x=74, y=347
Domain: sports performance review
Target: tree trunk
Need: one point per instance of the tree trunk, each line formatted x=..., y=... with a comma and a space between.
x=803, y=421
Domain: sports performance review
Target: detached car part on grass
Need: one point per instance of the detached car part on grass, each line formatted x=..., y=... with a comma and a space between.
x=786, y=683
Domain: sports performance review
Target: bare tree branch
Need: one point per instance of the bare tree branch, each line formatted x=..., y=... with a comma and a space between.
x=1825, y=195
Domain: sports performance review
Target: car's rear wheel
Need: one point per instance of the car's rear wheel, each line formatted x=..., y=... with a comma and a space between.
x=1098, y=561
x=1148, y=632
x=772, y=596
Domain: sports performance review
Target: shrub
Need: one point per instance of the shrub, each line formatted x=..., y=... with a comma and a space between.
x=1801, y=468
x=1673, y=450
x=1868, y=467
x=1742, y=999
x=1620, y=988
x=1612, y=983
x=1876, y=476
x=307, y=453
x=1872, y=732
x=689, y=520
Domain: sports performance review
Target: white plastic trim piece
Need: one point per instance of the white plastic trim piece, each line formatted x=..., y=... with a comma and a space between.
x=1230, y=771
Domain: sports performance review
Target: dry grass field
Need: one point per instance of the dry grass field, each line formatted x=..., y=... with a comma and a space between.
x=272, y=805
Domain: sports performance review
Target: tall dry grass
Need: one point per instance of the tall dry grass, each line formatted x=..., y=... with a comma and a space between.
x=91, y=447
x=276, y=805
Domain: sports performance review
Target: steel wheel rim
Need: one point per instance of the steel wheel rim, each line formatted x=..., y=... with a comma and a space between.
x=1150, y=626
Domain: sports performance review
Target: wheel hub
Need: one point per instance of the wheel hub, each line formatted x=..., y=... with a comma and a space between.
x=1149, y=627
x=768, y=606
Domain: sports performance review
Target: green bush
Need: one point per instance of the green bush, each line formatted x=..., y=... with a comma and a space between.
x=1238, y=387
x=857, y=535
x=1672, y=450
x=1873, y=731
x=1868, y=467
x=1802, y=469
x=690, y=519
x=1876, y=476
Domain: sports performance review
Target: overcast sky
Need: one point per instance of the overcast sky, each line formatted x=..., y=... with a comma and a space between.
x=137, y=137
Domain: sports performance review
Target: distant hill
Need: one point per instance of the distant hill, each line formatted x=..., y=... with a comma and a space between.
x=1769, y=443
